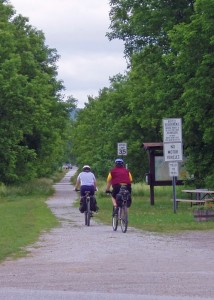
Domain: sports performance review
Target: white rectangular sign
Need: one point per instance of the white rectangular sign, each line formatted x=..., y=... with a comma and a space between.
x=173, y=169
x=172, y=131
x=173, y=152
x=121, y=148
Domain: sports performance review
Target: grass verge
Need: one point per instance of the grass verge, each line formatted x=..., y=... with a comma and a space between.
x=159, y=217
x=24, y=215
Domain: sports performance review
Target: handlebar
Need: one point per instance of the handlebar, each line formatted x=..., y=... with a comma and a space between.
x=108, y=192
x=77, y=190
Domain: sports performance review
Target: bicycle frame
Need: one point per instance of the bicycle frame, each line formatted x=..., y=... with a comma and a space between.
x=88, y=212
x=122, y=212
x=88, y=208
x=123, y=215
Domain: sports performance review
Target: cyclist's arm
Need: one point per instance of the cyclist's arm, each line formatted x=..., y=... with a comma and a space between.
x=130, y=177
x=77, y=183
x=108, y=185
x=95, y=183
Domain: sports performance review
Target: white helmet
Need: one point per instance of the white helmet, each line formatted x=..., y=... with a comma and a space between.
x=86, y=168
x=119, y=162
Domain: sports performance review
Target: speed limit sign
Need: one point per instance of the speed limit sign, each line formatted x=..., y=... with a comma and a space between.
x=121, y=148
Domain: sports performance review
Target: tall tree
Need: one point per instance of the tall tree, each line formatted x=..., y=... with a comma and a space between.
x=193, y=60
x=104, y=122
x=33, y=115
x=141, y=23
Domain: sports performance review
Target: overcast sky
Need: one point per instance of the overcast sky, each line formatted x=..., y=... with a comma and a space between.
x=77, y=28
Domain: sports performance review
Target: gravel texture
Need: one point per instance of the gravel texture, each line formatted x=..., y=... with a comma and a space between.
x=95, y=259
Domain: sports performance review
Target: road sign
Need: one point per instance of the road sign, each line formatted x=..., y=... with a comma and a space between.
x=173, y=152
x=173, y=148
x=173, y=169
x=121, y=148
x=172, y=131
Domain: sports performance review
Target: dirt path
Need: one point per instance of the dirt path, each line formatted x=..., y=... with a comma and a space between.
x=77, y=258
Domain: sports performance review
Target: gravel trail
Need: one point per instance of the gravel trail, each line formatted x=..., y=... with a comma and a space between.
x=74, y=261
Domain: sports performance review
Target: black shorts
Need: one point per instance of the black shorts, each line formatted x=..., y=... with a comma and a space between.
x=116, y=189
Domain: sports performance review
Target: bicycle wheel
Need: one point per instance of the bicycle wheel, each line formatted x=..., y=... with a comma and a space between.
x=87, y=213
x=124, y=218
x=114, y=221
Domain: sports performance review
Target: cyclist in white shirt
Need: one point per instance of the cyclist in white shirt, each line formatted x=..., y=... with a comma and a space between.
x=87, y=182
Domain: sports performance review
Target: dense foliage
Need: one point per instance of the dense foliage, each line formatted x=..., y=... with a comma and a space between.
x=169, y=46
x=34, y=119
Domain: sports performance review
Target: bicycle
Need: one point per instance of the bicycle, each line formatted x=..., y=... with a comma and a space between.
x=87, y=213
x=122, y=214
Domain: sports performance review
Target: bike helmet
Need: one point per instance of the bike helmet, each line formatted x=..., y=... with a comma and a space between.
x=119, y=162
x=86, y=168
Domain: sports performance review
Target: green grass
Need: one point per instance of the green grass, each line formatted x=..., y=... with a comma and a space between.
x=159, y=217
x=24, y=215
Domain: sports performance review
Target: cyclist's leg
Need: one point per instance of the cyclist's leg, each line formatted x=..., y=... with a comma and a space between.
x=129, y=200
x=115, y=191
x=82, y=207
x=93, y=200
x=114, y=220
x=88, y=212
x=82, y=204
x=115, y=207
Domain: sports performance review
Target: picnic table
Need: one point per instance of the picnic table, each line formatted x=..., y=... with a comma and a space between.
x=201, y=194
x=198, y=196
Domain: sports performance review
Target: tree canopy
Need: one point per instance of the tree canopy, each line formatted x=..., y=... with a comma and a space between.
x=169, y=46
x=170, y=50
x=33, y=115
x=141, y=23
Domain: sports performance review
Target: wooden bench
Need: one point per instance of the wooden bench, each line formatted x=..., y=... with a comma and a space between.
x=191, y=201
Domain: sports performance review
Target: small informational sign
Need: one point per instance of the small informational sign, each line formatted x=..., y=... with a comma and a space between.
x=173, y=148
x=121, y=149
x=173, y=152
x=162, y=170
x=173, y=169
x=172, y=131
